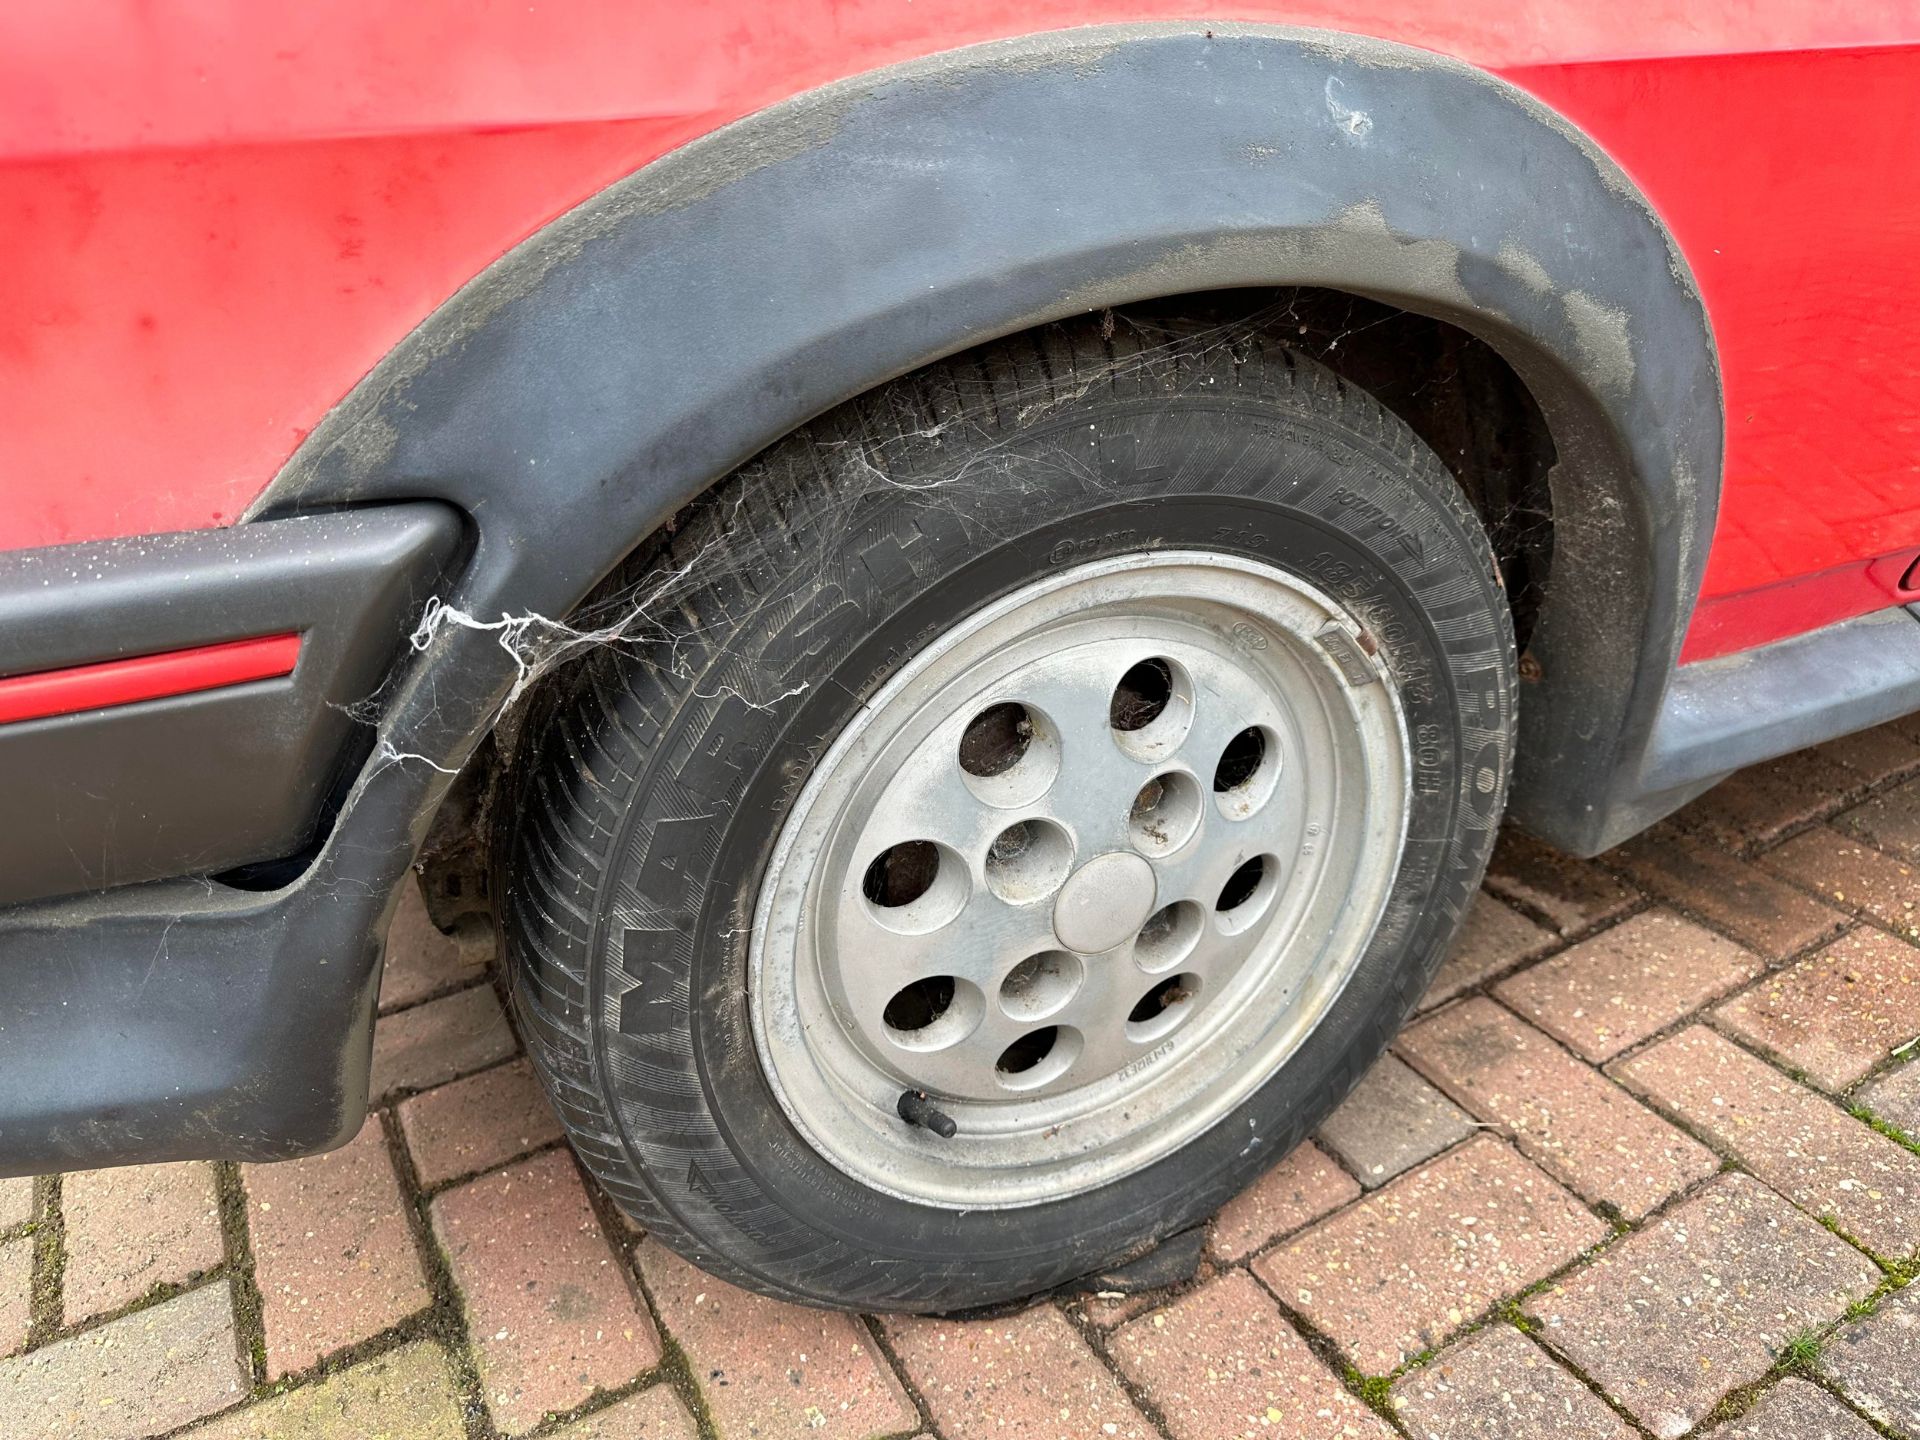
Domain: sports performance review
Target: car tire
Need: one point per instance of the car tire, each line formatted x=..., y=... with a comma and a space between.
x=775, y=913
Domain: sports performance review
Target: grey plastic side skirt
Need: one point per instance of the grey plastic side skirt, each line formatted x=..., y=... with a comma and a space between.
x=1721, y=715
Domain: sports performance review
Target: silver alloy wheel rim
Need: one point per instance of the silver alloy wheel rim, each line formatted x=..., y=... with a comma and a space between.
x=1075, y=892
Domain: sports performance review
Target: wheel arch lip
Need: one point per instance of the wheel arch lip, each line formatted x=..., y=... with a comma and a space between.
x=590, y=382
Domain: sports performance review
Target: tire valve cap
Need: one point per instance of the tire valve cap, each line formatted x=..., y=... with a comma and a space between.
x=916, y=1109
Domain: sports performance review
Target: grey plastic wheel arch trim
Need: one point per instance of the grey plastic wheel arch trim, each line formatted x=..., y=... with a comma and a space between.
x=592, y=381
x=597, y=378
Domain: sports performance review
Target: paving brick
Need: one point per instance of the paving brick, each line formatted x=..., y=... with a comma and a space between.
x=1890, y=821
x=1104, y=1310
x=132, y=1229
x=332, y=1254
x=1391, y=1122
x=1497, y=1385
x=1874, y=755
x=1805, y=1147
x=16, y=1201
x=1023, y=1377
x=1876, y=1362
x=16, y=1293
x=654, y=1414
x=548, y=1308
x=1493, y=938
x=1410, y=1264
x=1837, y=1013
x=142, y=1374
x=1700, y=1302
x=1573, y=895
x=1850, y=873
x=420, y=961
x=1222, y=1361
x=1797, y=1410
x=1895, y=1098
x=1580, y=1127
x=1296, y=1192
x=769, y=1368
x=1761, y=911
x=405, y=1394
x=432, y=1043
x=1760, y=804
x=477, y=1123
x=1616, y=989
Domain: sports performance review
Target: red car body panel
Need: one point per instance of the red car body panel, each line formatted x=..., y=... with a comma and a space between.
x=216, y=221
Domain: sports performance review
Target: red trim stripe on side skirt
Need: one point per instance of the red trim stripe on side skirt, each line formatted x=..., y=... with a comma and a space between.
x=146, y=677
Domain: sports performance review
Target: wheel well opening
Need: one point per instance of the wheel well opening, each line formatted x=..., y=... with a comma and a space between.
x=1453, y=389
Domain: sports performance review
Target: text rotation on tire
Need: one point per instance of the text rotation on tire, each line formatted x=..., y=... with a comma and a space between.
x=651, y=787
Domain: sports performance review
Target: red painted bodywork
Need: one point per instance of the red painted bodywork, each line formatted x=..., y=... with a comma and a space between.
x=146, y=677
x=215, y=218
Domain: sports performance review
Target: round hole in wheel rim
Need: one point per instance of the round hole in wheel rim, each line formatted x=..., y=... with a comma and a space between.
x=1151, y=708
x=1247, y=893
x=916, y=1006
x=1164, y=1006
x=1141, y=696
x=996, y=739
x=1028, y=860
x=1037, y=1058
x=901, y=874
x=1169, y=936
x=1009, y=754
x=1165, y=813
x=932, y=1013
x=1246, y=773
x=914, y=886
x=1240, y=759
x=1040, y=984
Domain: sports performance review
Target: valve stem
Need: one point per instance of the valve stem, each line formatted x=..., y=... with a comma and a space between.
x=916, y=1109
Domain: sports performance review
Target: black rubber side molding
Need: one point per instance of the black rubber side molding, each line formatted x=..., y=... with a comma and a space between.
x=200, y=782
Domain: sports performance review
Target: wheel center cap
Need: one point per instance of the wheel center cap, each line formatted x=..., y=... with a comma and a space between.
x=1104, y=902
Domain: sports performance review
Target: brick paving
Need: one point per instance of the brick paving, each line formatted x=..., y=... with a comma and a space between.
x=768, y=1368
x=1498, y=1383
x=1766, y=914
x=16, y=1202
x=1621, y=986
x=548, y=1307
x=1412, y=1264
x=1791, y=1137
x=1299, y=1190
x=1222, y=1361
x=1578, y=1126
x=1796, y=1410
x=1391, y=1122
x=1494, y=939
x=1895, y=1099
x=1620, y=1177
x=1853, y=875
x=1837, y=1014
x=128, y=1231
x=1029, y=1376
x=1702, y=1301
x=1875, y=1363
x=333, y=1257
